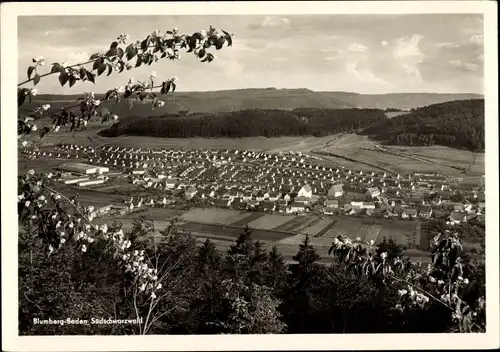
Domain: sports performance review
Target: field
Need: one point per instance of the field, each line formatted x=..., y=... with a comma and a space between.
x=268, y=222
x=430, y=159
x=213, y=216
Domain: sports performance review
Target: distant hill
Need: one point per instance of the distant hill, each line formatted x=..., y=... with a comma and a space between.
x=458, y=124
x=283, y=99
x=398, y=100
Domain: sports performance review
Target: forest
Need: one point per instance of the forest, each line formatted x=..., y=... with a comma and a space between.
x=458, y=124
x=245, y=289
x=249, y=123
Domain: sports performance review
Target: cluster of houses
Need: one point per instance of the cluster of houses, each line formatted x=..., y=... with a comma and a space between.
x=282, y=182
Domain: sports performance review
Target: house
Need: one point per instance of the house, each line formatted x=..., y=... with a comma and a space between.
x=252, y=204
x=190, y=192
x=238, y=204
x=357, y=204
x=296, y=208
x=101, y=211
x=372, y=192
x=425, y=212
x=259, y=196
x=331, y=203
x=303, y=200
x=221, y=203
x=273, y=196
x=457, y=217
x=305, y=191
x=369, y=205
x=268, y=206
x=335, y=191
x=411, y=212
x=247, y=196
x=281, y=205
x=170, y=184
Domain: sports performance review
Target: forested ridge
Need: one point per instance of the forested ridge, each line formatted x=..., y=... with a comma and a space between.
x=250, y=123
x=458, y=124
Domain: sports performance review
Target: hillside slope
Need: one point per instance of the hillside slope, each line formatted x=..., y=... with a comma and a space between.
x=271, y=98
x=457, y=124
x=249, y=123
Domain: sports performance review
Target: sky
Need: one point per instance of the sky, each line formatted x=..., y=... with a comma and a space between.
x=370, y=54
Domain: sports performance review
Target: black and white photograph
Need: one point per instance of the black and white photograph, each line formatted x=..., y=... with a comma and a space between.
x=222, y=170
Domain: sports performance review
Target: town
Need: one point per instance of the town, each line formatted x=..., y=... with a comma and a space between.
x=272, y=188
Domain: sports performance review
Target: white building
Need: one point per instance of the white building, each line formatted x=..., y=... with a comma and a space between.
x=71, y=181
x=80, y=168
x=373, y=192
x=97, y=181
x=305, y=191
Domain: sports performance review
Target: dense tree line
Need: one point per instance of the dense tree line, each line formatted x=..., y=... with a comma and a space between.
x=250, y=123
x=457, y=124
x=245, y=289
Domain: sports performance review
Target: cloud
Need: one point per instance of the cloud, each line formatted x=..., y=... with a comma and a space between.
x=384, y=43
x=273, y=21
x=448, y=45
x=364, y=75
x=357, y=47
x=467, y=66
x=408, y=57
x=476, y=39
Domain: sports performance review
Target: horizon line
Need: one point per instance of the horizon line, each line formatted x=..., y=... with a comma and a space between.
x=273, y=88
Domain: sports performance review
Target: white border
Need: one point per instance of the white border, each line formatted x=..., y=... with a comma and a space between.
x=11, y=342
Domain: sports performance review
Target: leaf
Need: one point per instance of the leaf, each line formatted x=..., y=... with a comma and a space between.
x=110, y=69
x=170, y=32
x=30, y=71
x=94, y=56
x=220, y=43
x=131, y=52
x=111, y=52
x=163, y=55
x=90, y=76
x=113, y=45
x=72, y=81
x=120, y=52
x=144, y=44
x=201, y=53
x=228, y=38
x=101, y=69
x=21, y=97
x=83, y=73
x=63, y=78
x=56, y=67
x=139, y=61
x=97, y=63
x=157, y=44
x=36, y=79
